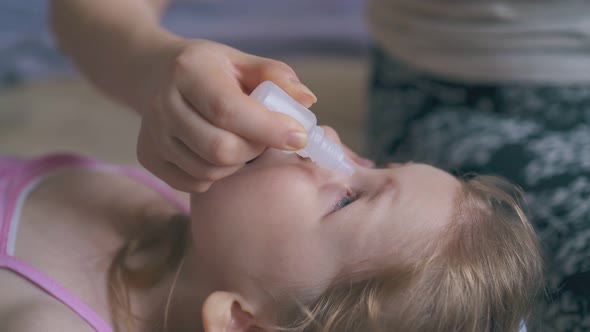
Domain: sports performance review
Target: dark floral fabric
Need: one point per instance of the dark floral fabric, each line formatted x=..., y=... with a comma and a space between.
x=536, y=135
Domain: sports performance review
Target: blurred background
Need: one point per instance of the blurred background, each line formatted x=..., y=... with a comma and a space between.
x=45, y=106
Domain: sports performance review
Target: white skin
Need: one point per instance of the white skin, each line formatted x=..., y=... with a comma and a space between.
x=273, y=226
x=198, y=124
x=268, y=228
x=199, y=127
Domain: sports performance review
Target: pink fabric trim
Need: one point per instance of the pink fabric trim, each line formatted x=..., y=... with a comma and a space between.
x=56, y=290
x=28, y=172
x=24, y=173
x=41, y=166
x=159, y=186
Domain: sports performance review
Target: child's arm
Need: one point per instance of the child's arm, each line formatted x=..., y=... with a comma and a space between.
x=198, y=125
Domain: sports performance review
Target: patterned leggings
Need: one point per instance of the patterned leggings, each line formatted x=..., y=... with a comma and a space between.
x=538, y=136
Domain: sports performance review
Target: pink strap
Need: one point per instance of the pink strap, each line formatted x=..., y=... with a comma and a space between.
x=41, y=166
x=33, y=170
x=157, y=185
x=56, y=290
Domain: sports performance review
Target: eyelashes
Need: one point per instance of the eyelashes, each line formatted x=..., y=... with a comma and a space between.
x=344, y=202
x=348, y=199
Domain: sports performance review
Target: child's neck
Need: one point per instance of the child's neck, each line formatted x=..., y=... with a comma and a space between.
x=186, y=297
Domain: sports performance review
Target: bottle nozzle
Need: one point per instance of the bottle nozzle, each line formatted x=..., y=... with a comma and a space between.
x=346, y=168
x=319, y=148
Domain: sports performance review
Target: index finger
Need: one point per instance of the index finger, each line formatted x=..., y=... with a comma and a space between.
x=222, y=102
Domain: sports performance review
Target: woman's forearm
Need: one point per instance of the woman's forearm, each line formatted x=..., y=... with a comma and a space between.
x=112, y=43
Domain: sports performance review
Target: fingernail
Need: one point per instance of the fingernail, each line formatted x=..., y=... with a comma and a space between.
x=296, y=140
x=308, y=92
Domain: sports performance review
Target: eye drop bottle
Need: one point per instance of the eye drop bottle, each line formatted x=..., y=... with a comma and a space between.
x=319, y=148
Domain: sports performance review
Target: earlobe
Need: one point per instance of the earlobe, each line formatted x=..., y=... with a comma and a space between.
x=224, y=312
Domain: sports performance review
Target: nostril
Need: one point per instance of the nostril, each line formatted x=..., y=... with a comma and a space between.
x=251, y=160
x=258, y=156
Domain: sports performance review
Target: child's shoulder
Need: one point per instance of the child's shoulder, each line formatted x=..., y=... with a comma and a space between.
x=82, y=177
x=83, y=203
x=26, y=308
x=65, y=219
x=39, y=316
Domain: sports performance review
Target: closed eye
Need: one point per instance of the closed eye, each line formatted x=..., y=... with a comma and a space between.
x=346, y=200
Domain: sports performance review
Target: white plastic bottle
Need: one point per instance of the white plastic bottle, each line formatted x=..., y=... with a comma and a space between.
x=319, y=148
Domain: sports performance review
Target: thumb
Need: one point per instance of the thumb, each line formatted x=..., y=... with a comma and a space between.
x=222, y=98
x=262, y=69
x=269, y=128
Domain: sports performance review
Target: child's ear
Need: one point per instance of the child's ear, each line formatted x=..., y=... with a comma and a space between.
x=224, y=312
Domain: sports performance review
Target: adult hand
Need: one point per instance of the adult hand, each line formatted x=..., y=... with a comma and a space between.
x=201, y=125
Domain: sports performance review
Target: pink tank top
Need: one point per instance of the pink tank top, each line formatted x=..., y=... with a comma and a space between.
x=20, y=177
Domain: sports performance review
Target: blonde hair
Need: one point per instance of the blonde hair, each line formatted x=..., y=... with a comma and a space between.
x=147, y=256
x=483, y=274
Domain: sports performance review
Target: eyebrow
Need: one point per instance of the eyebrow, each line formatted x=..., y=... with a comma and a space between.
x=389, y=187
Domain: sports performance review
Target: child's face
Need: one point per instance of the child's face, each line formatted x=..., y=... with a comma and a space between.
x=278, y=221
